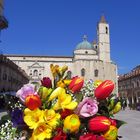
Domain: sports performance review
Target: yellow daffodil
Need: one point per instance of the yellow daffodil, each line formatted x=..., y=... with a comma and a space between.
x=33, y=117
x=51, y=118
x=43, y=131
x=72, y=123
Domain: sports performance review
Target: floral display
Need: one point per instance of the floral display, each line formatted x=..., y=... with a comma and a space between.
x=64, y=109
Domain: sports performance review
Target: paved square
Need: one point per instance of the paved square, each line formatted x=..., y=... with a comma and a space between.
x=130, y=131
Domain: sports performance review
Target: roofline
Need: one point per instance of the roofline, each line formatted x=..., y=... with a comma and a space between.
x=24, y=55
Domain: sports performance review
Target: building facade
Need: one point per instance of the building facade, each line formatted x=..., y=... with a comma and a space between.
x=3, y=20
x=11, y=76
x=129, y=87
x=90, y=60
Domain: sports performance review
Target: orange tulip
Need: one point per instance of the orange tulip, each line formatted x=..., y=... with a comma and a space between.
x=99, y=124
x=33, y=102
x=76, y=84
x=104, y=90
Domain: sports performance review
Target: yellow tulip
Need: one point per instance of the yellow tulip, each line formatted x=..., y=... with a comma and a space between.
x=33, y=117
x=111, y=134
x=72, y=123
x=97, y=83
x=42, y=132
x=117, y=108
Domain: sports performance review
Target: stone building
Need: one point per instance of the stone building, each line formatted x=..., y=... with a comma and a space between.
x=90, y=60
x=11, y=76
x=3, y=20
x=129, y=87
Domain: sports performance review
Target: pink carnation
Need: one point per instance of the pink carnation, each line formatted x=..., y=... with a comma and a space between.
x=88, y=107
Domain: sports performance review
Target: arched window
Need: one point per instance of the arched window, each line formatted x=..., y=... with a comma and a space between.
x=138, y=84
x=106, y=30
x=83, y=72
x=133, y=85
x=96, y=73
x=35, y=73
x=69, y=73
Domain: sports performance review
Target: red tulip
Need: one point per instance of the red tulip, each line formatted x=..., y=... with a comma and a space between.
x=46, y=82
x=76, y=84
x=99, y=124
x=113, y=122
x=33, y=102
x=104, y=89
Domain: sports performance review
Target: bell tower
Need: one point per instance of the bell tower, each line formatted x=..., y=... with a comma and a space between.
x=103, y=40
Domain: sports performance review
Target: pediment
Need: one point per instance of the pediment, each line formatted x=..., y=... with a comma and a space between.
x=36, y=65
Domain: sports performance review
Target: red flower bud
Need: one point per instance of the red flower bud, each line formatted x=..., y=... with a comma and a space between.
x=33, y=102
x=99, y=124
x=60, y=135
x=90, y=136
x=76, y=84
x=65, y=113
x=46, y=82
x=104, y=89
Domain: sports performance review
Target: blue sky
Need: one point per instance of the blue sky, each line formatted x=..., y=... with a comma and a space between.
x=55, y=27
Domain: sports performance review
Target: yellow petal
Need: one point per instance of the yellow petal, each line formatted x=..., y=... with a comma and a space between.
x=70, y=106
x=57, y=106
x=56, y=92
x=67, y=82
x=67, y=100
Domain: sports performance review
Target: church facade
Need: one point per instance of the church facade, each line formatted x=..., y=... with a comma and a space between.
x=90, y=60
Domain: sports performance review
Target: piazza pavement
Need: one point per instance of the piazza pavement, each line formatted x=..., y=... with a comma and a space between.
x=131, y=130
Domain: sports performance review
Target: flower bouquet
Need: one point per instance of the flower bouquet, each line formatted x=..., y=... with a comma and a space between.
x=65, y=109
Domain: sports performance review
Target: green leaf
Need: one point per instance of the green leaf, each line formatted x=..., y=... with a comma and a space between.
x=120, y=123
x=79, y=97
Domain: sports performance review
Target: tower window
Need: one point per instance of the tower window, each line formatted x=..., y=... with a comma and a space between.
x=83, y=72
x=106, y=30
x=96, y=73
x=86, y=52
